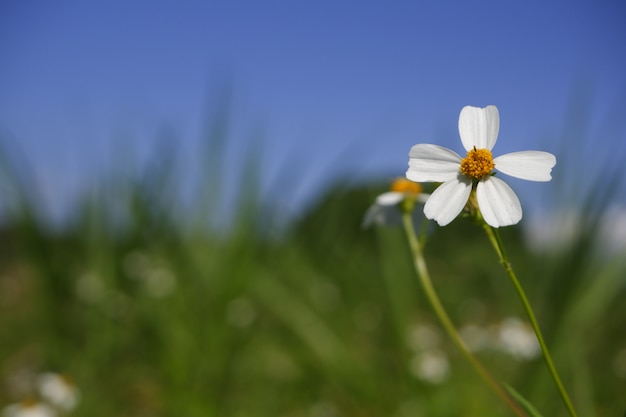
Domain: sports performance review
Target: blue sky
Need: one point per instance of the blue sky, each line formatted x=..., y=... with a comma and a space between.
x=331, y=89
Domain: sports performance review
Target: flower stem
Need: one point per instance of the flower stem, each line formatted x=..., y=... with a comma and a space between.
x=496, y=242
x=424, y=277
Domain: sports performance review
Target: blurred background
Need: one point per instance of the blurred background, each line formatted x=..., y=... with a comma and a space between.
x=182, y=188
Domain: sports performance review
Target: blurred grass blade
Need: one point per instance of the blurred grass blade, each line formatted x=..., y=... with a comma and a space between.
x=530, y=409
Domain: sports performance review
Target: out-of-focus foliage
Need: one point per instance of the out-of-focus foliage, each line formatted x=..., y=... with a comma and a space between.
x=152, y=312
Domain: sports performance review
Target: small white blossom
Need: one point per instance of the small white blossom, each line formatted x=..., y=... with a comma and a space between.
x=28, y=409
x=518, y=339
x=499, y=206
x=385, y=209
x=475, y=337
x=58, y=390
x=431, y=366
x=423, y=336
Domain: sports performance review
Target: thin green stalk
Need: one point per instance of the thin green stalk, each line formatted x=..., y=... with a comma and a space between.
x=424, y=277
x=496, y=242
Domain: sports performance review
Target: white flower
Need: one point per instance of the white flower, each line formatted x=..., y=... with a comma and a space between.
x=499, y=206
x=423, y=336
x=476, y=337
x=28, y=409
x=385, y=208
x=430, y=366
x=518, y=339
x=58, y=390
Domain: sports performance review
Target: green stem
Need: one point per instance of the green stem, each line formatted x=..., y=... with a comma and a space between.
x=496, y=242
x=424, y=277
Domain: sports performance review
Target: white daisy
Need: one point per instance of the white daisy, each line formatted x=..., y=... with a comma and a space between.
x=498, y=204
x=28, y=409
x=385, y=208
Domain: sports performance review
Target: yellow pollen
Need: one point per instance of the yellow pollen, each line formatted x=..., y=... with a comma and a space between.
x=402, y=185
x=477, y=163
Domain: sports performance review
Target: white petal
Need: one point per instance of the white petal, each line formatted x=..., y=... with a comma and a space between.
x=422, y=197
x=432, y=163
x=447, y=201
x=389, y=198
x=498, y=203
x=527, y=165
x=375, y=214
x=479, y=127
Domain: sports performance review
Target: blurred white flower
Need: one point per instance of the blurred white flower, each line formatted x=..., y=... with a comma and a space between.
x=499, y=206
x=553, y=230
x=476, y=337
x=58, y=390
x=385, y=207
x=157, y=281
x=431, y=366
x=560, y=229
x=517, y=338
x=28, y=409
x=423, y=336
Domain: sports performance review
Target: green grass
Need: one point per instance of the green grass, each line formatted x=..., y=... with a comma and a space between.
x=153, y=313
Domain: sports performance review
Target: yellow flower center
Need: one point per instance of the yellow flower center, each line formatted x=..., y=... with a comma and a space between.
x=477, y=163
x=402, y=185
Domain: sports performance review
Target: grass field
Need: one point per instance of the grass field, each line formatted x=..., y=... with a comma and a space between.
x=151, y=312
